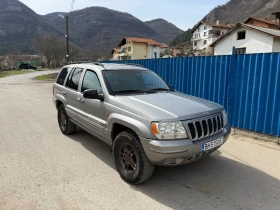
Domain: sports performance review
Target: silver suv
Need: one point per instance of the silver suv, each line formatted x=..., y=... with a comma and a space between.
x=139, y=115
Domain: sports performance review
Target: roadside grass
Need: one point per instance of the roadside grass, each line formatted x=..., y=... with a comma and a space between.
x=47, y=77
x=46, y=69
x=13, y=72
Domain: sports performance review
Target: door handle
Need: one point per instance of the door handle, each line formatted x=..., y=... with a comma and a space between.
x=81, y=100
x=64, y=93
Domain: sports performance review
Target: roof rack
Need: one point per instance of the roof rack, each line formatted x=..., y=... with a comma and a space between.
x=90, y=62
x=133, y=64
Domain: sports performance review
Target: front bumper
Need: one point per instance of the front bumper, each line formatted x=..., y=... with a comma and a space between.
x=176, y=152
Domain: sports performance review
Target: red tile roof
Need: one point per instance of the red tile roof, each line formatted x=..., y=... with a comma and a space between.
x=143, y=40
x=164, y=45
x=270, y=22
x=229, y=26
x=118, y=50
x=218, y=25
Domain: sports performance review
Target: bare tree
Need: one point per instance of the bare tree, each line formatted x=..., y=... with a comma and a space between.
x=51, y=47
x=12, y=56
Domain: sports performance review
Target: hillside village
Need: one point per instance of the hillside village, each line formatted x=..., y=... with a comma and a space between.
x=208, y=37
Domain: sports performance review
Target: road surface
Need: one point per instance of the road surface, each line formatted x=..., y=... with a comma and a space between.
x=42, y=169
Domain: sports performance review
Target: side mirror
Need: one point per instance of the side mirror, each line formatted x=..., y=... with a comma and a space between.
x=93, y=94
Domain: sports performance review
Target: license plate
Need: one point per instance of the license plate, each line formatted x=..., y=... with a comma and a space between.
x=212, y=144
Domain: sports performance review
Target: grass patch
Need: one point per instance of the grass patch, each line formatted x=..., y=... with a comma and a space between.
x=13, y=72
x=47, y=77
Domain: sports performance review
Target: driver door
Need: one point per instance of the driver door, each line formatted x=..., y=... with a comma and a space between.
x=92, y=111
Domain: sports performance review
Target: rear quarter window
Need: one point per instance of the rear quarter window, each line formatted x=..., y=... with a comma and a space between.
x=61, y=78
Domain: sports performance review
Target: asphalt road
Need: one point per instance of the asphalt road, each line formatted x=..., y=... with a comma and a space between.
x=42, y=169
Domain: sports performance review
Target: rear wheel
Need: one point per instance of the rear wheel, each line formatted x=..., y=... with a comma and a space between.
x=130, y=159
x=65, y=125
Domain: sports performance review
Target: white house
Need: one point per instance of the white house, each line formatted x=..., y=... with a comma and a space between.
x=206, y=33
x=248, y=39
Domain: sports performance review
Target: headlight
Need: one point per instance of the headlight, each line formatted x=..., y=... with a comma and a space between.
x=169, y=130
x=225, y=118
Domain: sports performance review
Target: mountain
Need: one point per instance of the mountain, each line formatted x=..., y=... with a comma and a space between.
x=235, y=11
x=183, y=37
x=100, y=29
x=52, y=16
x=19, y=25
x=239, y=10
x=165, y=28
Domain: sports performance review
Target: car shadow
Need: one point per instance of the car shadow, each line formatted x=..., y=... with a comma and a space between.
x=215, y=182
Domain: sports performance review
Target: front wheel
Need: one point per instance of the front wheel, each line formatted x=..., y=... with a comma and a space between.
x=65, y=125
x=130, y=159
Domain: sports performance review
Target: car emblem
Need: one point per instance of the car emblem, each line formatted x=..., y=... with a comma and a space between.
x=206, y=113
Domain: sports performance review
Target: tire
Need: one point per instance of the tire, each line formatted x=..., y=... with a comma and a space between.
x=127, y=148
x=65, y=125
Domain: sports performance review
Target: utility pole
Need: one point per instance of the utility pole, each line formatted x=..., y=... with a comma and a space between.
x=66, y=17
x=67, y=38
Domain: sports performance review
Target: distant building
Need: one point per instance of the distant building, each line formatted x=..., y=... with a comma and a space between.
x=248, y=39
x=115, y=53
x=163, y=48
x=261, y=22
x=206, y=33
x=138, y=48
x=183, y=49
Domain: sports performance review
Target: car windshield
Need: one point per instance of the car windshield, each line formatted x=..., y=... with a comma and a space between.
x=134, y=81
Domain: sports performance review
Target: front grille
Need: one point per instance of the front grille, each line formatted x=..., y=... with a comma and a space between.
x=205, y=127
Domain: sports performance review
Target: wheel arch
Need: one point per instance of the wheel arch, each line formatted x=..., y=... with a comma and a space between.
x=118, y=123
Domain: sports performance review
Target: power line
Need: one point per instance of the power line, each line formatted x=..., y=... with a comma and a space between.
x=72, y=5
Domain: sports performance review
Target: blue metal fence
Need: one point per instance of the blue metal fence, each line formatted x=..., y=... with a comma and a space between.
x=248, y=86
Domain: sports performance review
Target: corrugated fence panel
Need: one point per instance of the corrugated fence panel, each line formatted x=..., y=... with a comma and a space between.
x=248, y=86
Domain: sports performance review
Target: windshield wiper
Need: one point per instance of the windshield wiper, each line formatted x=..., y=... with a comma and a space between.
x=157, y=90
x=130, y=91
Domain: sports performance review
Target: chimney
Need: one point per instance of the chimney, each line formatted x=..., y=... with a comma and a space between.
x=218, y=22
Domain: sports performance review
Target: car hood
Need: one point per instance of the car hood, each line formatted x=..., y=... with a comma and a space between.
x=167, y=106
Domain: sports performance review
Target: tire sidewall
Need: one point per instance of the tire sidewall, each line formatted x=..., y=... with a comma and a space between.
x=134, y=176
x=60, y=110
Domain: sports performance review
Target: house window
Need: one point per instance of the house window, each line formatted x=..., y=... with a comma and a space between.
x=195, y=44
x=205, y=33
x=129, y=49
x=205, y=42
x=205, y=27
x=240, y=51
x=197, y=36
x=241, y=35
x=198, y=29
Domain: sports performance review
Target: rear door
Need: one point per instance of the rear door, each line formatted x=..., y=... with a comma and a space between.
x=92, y=111
x=71, y=93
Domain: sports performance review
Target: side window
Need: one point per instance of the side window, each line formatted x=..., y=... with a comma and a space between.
x=74, y=78
x=91, y=81
x=61, y=78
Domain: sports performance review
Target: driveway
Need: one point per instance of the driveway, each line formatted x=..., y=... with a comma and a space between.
x=42, y=169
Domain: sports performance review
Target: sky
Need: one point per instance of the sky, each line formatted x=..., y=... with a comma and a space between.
x=183, y=13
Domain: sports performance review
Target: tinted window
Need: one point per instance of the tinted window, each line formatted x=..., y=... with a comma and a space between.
x=91, y=82
x=74, y=78
x=62, y=76
x=123, y=80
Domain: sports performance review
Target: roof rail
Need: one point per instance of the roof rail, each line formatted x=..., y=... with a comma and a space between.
x=98, y=64
x=133, y=64
x=90, y=62
x=79, y=62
